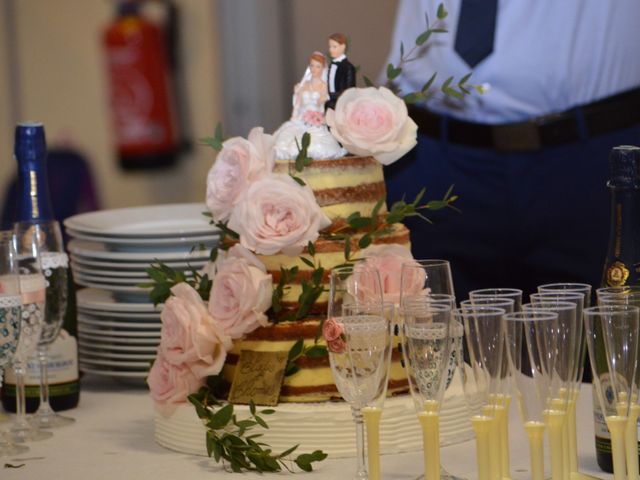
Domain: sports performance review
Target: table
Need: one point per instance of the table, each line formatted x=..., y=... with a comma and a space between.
x=113, y=439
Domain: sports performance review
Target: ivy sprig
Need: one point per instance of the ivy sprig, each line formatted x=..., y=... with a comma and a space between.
x=299, y=350
x=216, y=141
x=302, y=159
x=163, y=278
x=230, y=440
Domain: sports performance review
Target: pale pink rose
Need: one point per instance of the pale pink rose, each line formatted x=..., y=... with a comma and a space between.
x=239, y=163
x=387, y=259
x=241, y=292
x=190, y=336
x=170, y=385
x=331, y=330
x=313, y=118
x=277, y=214
x=373, y=121
x=337, y=346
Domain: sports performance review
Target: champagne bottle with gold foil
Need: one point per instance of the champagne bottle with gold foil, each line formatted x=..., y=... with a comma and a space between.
x=622, y=264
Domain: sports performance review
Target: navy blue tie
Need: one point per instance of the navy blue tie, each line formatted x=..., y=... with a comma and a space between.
x=476, y=30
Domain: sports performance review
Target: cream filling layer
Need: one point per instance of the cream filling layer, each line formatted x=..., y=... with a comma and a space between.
x=338, y=177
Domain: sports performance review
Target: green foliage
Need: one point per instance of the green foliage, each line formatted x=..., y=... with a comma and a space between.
x=231, y=440
x=217, y=140
x=303, y=160
x=299, y=350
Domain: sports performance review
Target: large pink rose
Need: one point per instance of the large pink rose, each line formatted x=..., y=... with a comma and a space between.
x=373, y=121
x=277, y=214
x=170, y=385
x=240, y=293
x=239, y=163
x=190, y=336
x=388, y=260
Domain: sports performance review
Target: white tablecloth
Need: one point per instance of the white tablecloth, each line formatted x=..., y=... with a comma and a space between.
x=113, y=439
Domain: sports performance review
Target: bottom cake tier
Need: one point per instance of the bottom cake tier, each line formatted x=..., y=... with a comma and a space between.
x=327, y=426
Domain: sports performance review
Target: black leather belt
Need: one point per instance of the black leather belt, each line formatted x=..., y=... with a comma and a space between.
x=612, y=113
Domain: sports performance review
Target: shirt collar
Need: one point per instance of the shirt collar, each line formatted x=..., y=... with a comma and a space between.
x=340, y=58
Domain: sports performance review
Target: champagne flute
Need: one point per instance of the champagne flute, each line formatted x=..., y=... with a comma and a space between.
x=425, y=277
x=565, y=289
x=426, y=344
x=514, y=294
x=612, y=343
x=54, y=263
x=484, y=335
x=32, y=289
x=533, y=335
x=10, y=314
x=351, y=285
x=358, y=363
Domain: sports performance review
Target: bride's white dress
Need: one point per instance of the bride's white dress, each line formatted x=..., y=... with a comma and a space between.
x=307, y=117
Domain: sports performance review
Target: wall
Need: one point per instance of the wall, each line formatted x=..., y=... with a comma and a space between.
x=63, y=84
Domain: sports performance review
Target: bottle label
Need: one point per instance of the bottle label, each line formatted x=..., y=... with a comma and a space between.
x=62, y=365
x=617, y=274
x=600, y=426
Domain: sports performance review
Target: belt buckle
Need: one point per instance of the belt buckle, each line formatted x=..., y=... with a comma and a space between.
x=517, y=137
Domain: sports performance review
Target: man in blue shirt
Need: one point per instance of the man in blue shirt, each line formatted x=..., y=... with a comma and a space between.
x=529, y=157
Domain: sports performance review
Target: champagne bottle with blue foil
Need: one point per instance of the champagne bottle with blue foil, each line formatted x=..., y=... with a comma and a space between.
x=622, y=264
x=35, y=205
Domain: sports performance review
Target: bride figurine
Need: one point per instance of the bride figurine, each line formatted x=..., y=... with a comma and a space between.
x=309, y=97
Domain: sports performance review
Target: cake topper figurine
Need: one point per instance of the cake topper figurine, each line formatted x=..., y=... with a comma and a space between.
x=309, y=97
x=341, y=73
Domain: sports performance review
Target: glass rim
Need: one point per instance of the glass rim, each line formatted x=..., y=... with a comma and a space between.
x=485, y=292
x=559, y=305
x=558, y=293
x=611, y=309
x=562, y=286
x=498, y=300
x=425, y=262
x=435, y=307
x=525, y=316
x=480, y=310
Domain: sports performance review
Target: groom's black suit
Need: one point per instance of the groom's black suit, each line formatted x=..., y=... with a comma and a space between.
x=345, y=78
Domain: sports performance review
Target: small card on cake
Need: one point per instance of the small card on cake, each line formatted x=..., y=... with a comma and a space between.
x=258, y=377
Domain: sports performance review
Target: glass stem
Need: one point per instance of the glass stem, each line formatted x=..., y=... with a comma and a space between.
x=361, y=461
x=43, y=357
x=21, y=409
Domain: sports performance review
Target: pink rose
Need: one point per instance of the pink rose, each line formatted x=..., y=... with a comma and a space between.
x=239, y=163
x=170, y=385
x=190, y=336
x=373, y=121
x=277, y=214
x=241, y=292
x=331, y=330
x=388, y=260
x=337, y=346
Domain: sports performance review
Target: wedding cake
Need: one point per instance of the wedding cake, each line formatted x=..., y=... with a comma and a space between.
x=294, y=205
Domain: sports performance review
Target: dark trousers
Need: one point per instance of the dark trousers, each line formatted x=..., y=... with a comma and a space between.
x=527, y=218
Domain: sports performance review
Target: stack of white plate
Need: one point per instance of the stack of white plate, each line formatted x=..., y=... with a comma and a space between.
x=118, y=326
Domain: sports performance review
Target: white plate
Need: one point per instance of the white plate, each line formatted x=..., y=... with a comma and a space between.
x=85, y=353
x=124, y=326
x=152, y=221
x=126, y=282
x=115, y=363
x=112, y=373
x=140, y=341
x=119, y=316
x=94, y=250
x=130, y=292
x=122, y=243
x=105, y=272
x=133, y=349
x=137, y=266
x=103, y=300
x=86, y=329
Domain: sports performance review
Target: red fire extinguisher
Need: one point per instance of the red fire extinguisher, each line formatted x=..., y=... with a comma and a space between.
x=141, y=88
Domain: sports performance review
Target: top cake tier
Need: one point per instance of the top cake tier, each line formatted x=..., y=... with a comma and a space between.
x=342, y=186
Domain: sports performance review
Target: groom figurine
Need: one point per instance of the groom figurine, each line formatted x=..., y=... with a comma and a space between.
x=341, y=74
